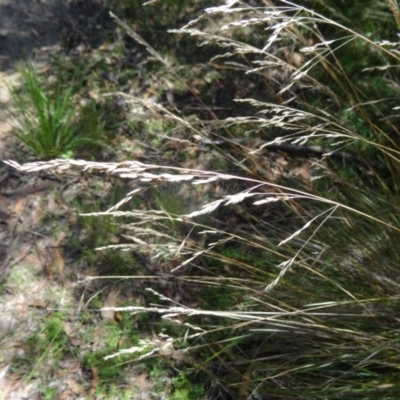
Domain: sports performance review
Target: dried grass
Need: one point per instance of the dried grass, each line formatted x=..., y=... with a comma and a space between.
x=318, y=318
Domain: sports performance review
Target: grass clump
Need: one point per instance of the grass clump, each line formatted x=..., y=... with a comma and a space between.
x=50, y=124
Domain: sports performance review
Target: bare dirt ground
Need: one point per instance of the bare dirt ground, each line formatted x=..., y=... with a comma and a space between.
x=27, y=27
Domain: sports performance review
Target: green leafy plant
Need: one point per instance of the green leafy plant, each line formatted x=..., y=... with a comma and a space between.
x=49, y=123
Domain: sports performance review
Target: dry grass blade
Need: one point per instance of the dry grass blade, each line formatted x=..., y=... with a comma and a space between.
x=138, y=170
x=394, y=8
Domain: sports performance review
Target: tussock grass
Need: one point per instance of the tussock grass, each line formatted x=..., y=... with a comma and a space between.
x=49, y=123
x=312, y=264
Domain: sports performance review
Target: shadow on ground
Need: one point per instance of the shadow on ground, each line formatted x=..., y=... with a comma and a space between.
x=27, y=27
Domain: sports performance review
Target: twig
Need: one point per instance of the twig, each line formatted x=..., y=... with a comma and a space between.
x=298, y=150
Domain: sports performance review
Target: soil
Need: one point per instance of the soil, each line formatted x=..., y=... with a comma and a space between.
x=27, y=27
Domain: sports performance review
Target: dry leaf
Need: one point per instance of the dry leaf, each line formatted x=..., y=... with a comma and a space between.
x=104, y=47
x=37, y=304
x=59, y=262
x=165, y=347
x=36, y=216
x=75, y=387
x=114, y=239
x=50, y=254
x=118, y=317
x=181, y=356
x=56, y=206
x=111, y=301
x=67, y=395
x=94, y=95
x=95, y=381
x=3, y=372
x=18, y=206
x=51, y=204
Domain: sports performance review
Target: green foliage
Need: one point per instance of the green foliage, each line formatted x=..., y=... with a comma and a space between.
x=219, y=298
x=371, y=18
x=100, y=232
x=49, y=393
x=42, y=346
x=170, y=201
x=113, y=368
x=110, y=369
x=52, y=125
x=184, y=389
